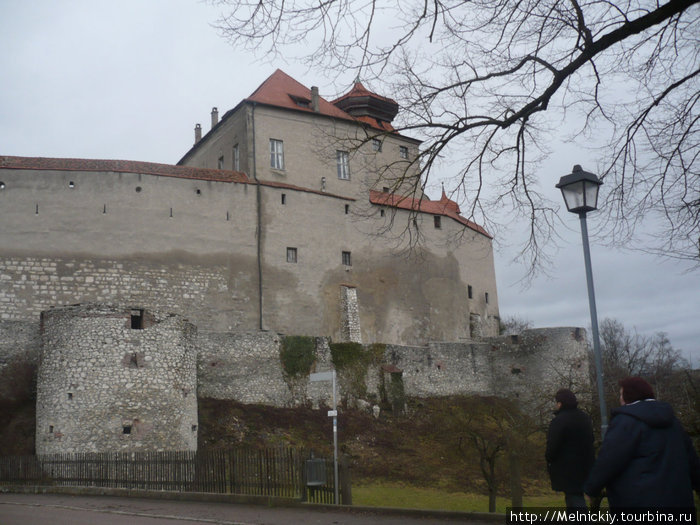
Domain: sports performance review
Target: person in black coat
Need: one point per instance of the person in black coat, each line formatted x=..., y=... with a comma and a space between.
x=646, y=461
x=569, y=452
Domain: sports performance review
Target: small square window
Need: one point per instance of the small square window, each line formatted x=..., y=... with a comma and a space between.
x=126, y=429
x=437, y=221
x=291, y=255
x=403, y=152
x=137, y=319
x=220, y=163
x=386, y=189
x=347, y=259
x=376, y=145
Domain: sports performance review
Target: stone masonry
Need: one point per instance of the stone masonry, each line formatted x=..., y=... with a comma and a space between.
x=116, y=379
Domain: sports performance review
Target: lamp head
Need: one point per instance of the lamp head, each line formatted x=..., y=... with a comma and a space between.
x=580, y=190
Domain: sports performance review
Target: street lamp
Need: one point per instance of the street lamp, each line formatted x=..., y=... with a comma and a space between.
x=580, y=192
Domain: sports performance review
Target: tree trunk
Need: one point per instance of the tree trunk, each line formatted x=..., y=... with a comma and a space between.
x=516, y=485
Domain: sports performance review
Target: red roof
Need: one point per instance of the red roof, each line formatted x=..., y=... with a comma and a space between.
x=281, y=90
x=124, y=166
x=444, y=206
x=358, y=90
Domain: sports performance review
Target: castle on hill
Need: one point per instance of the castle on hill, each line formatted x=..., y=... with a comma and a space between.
x=138, y=286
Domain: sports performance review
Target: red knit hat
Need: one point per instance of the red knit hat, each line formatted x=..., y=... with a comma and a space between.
x=635, y=389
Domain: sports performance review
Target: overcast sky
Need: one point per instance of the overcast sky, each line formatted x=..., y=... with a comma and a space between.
x=129, y=80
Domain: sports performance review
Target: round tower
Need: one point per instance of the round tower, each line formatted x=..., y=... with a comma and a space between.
x=116, y=379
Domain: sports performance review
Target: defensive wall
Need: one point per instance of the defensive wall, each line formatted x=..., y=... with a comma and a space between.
x=119, y=378
x=233, y=255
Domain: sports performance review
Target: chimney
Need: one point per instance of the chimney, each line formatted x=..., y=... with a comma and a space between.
x=314, y=98
x=197, y=133
x=214, y=117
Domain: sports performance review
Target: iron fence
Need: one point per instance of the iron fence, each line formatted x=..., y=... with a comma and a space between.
x=266, y=472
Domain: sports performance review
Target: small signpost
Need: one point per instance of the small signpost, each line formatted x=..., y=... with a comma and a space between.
x=330, y=376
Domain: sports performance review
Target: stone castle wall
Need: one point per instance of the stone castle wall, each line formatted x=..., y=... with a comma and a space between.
x=114, y=379
x=99, y=375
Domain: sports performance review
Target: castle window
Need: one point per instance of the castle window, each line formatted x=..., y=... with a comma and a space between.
x=347, y=209
x=291, y=255
x=347, y=259
x=470, y=292
x=486, y=296
x=276, y=154
x=343, y=165
x=194, y=428
x=284, y=198
x=71, y=184
x=2, y=185
x=382, y=213
x=70, y=395
x=137, y=319
x=403, y=152
x=50, y=429
x=376, y=145
x=126, y=429
x=220, y=163
x=236, y=158
x=437, y=222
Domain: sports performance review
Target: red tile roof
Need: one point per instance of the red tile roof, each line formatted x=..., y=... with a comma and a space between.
x=124, y=166
x=358, y=90
x=444, y=206
x=278, y=87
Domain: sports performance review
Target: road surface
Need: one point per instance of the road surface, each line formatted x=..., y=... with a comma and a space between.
x=59, y=509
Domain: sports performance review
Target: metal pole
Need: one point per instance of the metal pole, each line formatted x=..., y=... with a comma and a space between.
x=594, y=326
x=335, y=444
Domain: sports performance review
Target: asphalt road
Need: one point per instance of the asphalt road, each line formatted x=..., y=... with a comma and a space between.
x=58, y=509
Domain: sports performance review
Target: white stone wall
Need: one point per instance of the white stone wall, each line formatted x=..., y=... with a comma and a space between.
x=105, y=386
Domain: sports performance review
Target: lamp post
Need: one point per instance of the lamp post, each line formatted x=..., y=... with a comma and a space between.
x=580, y=192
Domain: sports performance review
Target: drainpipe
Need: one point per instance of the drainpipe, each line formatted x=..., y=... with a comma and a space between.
x=258, y=230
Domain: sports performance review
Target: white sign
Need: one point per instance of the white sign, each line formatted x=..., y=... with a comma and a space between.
x=332, y=413
x=322, y=376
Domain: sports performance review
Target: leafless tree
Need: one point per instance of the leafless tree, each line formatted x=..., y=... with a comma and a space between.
x=489, y=84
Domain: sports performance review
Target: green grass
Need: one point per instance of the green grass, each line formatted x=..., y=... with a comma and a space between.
x=396, y=495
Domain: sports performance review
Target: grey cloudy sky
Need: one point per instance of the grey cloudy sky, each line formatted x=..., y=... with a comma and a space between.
x=129, y=79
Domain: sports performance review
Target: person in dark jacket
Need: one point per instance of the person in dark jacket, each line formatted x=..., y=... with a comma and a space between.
x=569, y=452
x=646, y=461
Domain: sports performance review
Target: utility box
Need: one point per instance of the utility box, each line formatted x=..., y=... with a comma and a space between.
x=315, y=472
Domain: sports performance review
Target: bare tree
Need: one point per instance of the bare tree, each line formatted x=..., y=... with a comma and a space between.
x=490, y=83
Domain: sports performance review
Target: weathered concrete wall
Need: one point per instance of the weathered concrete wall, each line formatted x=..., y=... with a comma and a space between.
x=191, y=247
x=107, y=384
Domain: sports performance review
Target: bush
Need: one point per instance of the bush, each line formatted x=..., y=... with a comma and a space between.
x=297, y=354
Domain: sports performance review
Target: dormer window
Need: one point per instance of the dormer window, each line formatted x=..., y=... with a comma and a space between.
x=302, y=102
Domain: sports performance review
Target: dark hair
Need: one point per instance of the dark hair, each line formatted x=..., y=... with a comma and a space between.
x=635, y=389
x=567, y=398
